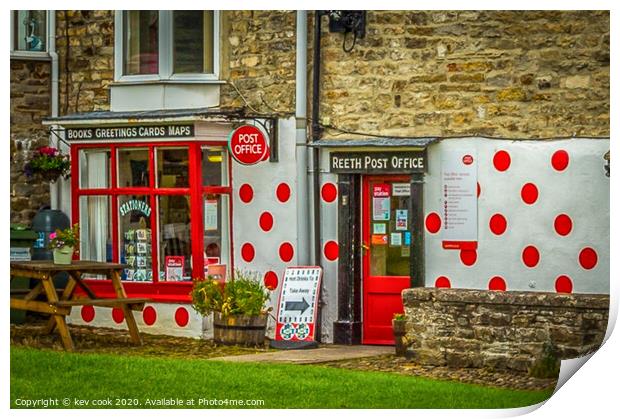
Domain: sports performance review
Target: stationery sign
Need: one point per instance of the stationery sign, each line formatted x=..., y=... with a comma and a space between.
x=248, y=145
x=459, y=200
x=298, y=302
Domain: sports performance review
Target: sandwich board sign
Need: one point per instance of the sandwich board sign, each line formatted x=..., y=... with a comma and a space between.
x=298, y=307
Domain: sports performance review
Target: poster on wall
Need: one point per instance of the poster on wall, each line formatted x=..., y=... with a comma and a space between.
x=211, y=215
x=297, y=305
x=459, y=210
x=174, y=268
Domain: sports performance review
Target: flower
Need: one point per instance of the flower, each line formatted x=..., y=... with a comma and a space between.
x=53, y=235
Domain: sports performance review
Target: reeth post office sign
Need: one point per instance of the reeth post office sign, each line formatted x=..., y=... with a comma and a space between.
x=410, y=161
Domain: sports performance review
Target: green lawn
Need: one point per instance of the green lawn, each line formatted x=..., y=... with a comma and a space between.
x=43, y=374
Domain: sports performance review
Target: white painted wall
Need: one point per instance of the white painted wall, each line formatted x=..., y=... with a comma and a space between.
x=581, y=191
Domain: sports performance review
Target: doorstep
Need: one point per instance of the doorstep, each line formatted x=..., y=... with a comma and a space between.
x=326, y=353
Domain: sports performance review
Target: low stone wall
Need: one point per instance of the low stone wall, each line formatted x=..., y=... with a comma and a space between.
x=501, y=330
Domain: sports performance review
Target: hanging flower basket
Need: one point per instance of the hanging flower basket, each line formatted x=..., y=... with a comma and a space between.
x=48, y=164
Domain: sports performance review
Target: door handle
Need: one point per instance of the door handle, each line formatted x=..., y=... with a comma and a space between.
x=365, y=247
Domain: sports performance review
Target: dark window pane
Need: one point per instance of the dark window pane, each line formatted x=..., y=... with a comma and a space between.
x=193, y=41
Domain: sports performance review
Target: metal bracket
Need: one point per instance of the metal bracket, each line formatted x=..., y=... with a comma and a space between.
x=55, y=133
x=270, y=126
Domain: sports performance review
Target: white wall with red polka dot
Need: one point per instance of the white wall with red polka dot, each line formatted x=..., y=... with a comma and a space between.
x=156, y=318
x=543, y=217
x=265, y=215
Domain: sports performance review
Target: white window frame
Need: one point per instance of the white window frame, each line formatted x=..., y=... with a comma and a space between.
x=32, y=55
x=165, y=45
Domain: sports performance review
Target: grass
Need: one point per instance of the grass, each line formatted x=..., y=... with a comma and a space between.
x=44, y=374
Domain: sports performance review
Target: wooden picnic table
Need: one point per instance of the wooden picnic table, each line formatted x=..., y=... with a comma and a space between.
x=59, y=306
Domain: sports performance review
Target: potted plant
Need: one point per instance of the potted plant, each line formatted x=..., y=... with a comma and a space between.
x=48, y=164
x=238, y=307
x=64, y=243
x=399, y=322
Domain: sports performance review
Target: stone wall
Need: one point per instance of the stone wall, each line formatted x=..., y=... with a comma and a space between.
x=85, y=45
x=501, y=330
x=30, y=102
x=516, y=74
x=258, y=56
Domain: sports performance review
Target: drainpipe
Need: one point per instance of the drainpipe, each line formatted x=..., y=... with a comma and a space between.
x=301, y=149
x=316, y=135
x=55, y=188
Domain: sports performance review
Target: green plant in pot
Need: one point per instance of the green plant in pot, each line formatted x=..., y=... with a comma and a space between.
x=238, y=307
x=399, y=321
x=64, y=243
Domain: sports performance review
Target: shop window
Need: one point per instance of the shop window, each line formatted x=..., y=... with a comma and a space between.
x=95, y=169
x=133, y=167
x=172, y=167
x=136, y=237
x=29, y=31
x=95, y=231
x=175, y=248
x=214, y=167
x=167, y=45
x=141, y=42
x=216, y=232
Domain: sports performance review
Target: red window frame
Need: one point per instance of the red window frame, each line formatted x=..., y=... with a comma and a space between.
x=159, y=291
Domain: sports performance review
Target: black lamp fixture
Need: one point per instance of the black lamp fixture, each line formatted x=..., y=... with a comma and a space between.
x=348, y=22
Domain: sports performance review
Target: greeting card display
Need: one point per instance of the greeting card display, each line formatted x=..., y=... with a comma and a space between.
x=137, y=252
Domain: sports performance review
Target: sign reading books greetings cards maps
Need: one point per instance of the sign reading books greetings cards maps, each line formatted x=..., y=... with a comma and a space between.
x=297, y=306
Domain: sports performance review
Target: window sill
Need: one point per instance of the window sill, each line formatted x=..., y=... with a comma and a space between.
x=30, y=55
x=166, y=81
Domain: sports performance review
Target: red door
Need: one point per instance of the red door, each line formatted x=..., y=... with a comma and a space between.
x=386, y=238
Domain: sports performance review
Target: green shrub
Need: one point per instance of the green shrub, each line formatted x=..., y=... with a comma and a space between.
x=244, y=294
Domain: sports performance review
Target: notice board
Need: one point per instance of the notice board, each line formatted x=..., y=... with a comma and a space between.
x=459, y=211
x=298, y=304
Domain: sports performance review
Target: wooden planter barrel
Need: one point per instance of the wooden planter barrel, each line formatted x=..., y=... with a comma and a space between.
x=239, y=329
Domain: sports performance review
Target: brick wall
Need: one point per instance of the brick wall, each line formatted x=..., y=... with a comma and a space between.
x=30, y=102
x=502, y=330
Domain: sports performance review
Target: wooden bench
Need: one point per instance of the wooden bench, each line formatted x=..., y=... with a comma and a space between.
x=58, y=303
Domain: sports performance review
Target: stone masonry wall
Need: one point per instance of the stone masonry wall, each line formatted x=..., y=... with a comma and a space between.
x=85, y=45
x=501, y=330
x=30, y=102
x=258, y=56
x=515, y=74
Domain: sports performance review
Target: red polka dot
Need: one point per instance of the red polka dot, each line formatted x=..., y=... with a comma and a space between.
x=563, y=224
x=442, y=282
x=88, y=313
x=181, y=317
x=530, y=256
x=329, y=192
x=247, y=252
x=497, y=283
x=331, y=250
x=478, y=189
x=564, y=284
x=149, y=315
x=283, y=192
x=501, y=160
x=117, y=315
x=588, y=258
x=468, y=257
x=559, y=160
x=529, y=193
x=286, y=252
x=433, y=222
x=271, y=280
x=498, y=224
x=246, y=193
x=266, y=221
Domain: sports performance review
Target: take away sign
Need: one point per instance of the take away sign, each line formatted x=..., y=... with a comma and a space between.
x=298, y=303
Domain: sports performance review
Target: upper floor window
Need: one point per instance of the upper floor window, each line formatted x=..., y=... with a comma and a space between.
x=29, y=32
x=167, y=45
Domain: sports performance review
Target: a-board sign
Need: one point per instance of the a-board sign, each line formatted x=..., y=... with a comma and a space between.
x=459, y=210
x=248, y=145
x=298, y=303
